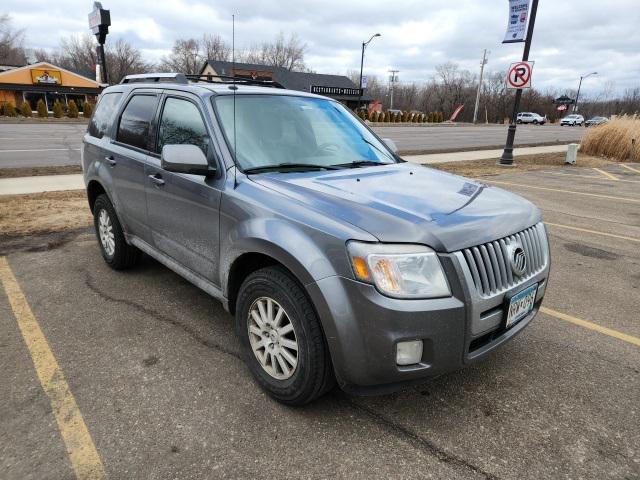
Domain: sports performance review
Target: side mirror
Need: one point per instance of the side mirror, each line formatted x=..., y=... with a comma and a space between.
x=391, y=144
x=185, y=159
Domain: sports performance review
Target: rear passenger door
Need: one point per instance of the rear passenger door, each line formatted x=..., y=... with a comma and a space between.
x=129, y=151
x=183, y=209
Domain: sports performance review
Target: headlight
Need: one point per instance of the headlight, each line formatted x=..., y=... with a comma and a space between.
x=397, y=270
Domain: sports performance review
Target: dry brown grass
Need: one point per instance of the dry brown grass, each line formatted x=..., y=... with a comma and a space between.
x=480, y=168
x=614, y=139
x=36, y=171
x=44, y=212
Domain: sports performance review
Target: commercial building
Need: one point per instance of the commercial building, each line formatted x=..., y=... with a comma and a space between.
x=47, y=82
x=337, y=87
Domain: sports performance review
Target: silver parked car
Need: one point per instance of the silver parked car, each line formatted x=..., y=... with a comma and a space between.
x=339, y=261
x=572, y=120
x=530, y=117
x=595, y=121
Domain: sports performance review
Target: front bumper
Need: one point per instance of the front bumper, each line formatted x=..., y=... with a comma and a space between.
x=363, y=327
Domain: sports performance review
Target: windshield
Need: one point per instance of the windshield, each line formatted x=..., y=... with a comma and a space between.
x=279, y=129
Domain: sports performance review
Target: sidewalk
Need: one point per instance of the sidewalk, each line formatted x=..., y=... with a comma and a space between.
x=52, y=183
x=481, y=154
x=43, y=183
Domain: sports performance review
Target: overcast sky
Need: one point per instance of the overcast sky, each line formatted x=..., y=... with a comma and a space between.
x=572, y=37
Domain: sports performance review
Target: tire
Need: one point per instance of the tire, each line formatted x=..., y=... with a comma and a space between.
x=535, y=122
x=117, y=253
x=312, y=374
x=518, y=121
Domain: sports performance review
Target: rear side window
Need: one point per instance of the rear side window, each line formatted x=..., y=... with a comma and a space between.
x=103, y=113
x=182, y=123
x=135, y=121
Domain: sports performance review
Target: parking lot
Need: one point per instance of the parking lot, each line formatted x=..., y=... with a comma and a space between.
x=146, y=372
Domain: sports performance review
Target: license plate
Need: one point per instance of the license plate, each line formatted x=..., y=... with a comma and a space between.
x=521, y=304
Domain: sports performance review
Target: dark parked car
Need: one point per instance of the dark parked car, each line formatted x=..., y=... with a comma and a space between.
x=595, y=121
x=339, y=260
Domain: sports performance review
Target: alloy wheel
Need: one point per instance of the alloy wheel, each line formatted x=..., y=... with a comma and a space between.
x=273, y=338
x=105, y=231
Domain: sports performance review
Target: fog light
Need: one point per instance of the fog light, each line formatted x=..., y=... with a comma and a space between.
x=409, y=353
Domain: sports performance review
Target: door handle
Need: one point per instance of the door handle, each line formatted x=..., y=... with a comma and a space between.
x=157, y=180
x=111, y=161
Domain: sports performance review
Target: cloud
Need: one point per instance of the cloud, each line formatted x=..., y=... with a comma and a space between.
x=571, y=37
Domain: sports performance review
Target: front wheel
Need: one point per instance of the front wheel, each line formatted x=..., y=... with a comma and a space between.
x=282, y=340
x=115, y=250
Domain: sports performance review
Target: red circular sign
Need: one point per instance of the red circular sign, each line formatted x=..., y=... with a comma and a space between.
x=519, y=75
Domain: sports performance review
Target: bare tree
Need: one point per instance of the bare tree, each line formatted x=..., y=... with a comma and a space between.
x=215, y=48
x=285, y=52
x=124, y=59
x=11, y=43
x=185, y=57
x=78, y=54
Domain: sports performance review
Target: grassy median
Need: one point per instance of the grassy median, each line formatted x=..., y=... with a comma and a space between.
x=544, y=161
x=46, y=212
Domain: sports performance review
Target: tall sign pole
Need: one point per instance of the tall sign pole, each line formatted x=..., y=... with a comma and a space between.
x=392, y=81
x=99, y=22
x=507, y=155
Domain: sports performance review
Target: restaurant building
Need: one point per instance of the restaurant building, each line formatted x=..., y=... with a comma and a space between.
x=48, y=82
x=338, y=87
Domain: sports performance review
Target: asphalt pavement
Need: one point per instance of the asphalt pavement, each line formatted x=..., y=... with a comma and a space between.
x=153, y=365
x=51, y=144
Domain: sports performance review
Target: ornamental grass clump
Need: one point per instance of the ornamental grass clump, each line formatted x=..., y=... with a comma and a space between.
x=618, y=139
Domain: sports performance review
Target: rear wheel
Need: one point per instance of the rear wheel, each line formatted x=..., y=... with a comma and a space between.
x=283, y=343
x=535, y=122
x=115, y=250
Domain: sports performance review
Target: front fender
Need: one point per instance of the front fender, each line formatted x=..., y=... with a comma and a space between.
x=309, y=255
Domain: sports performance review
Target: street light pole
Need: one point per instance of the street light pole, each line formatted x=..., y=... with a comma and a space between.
x=507, y=155
x=364, y=46
x=482, y=64
x=575, y=105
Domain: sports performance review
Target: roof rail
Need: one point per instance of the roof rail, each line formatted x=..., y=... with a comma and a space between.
x=231, y=79
x=155, y=77
x=182, y=78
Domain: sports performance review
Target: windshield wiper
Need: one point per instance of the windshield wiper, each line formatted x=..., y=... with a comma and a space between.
x=361, y=163
x=290, y=166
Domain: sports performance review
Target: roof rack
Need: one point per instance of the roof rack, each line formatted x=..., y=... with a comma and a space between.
x=182, y=78
x=156, y=77
x=231, y=79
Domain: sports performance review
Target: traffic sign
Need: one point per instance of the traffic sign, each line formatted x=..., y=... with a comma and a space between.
x=519, y=75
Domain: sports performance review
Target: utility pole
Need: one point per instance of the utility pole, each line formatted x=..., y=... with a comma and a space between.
x=507, y=155
x=392, y=81
x=575, y=105
x=482, y=64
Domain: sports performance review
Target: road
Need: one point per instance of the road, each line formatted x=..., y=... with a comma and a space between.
x=465, y=137
x=39, y=145
x=155, y=371
x=31, y=145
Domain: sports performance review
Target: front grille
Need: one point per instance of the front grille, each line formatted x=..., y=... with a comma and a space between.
x=490, y=265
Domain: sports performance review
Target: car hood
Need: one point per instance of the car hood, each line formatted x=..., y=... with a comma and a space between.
x=408, y=203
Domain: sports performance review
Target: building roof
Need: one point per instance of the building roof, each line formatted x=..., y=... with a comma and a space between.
x=301, y=81
x=21, y=76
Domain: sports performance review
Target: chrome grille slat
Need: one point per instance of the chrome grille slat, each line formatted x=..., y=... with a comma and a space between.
x=481, y=269
x=490, y=265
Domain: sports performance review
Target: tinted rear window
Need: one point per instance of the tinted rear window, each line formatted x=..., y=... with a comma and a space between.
x=135, y=121
x=103, y=113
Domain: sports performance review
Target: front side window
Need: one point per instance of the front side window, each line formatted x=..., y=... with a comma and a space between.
x=135, y=121
x=267, y=130
x=103, y=113
x=181, y=123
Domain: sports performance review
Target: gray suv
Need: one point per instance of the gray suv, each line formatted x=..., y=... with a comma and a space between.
x=340, y=261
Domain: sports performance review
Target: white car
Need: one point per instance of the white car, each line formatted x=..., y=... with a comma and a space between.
x=530, y=117
x=572, y=120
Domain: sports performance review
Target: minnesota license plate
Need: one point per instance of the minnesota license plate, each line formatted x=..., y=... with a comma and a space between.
x=521, y=304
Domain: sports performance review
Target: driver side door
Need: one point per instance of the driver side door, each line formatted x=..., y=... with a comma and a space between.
x=184, y=210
